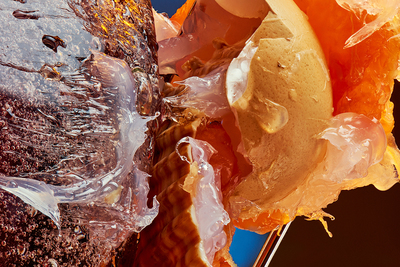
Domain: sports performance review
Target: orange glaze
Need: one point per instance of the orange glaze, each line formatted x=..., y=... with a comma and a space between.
x=362, y=75
x=264, y=223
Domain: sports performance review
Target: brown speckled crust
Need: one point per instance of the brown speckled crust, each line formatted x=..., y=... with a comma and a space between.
x=20, y=153
x=126, y=29
x=39, y=140
x=43, y=101
x=133, y=40
x=28, y=238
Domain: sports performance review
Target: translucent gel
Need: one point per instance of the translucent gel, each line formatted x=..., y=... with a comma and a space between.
x=355, y=156
x=165, y=28
x=236, y=80
x=115, y=75
x=206, y=94
x=383, y=10
x=65, y=119
x=355, y=143
x=210, y=213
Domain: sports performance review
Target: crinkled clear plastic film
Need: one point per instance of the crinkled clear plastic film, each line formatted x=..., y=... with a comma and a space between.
x=78, y=92
x=165, y=28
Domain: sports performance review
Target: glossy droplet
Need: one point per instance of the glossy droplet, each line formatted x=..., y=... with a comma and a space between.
x=203, y=167
x=20, y=14
x=12, y=184
x=271, y=116
x=53, y=42
x=96, y=185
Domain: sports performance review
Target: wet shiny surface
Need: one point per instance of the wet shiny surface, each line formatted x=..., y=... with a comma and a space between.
x=65, y=111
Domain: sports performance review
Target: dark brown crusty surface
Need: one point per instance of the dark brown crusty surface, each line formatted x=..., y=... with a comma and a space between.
x=51, y=109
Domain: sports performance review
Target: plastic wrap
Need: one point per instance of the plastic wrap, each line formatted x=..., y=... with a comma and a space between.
x=165, y=28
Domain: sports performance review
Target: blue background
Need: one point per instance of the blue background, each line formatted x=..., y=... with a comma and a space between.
x=168, y=6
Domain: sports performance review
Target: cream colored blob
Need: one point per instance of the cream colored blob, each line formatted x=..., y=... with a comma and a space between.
x=288, y=70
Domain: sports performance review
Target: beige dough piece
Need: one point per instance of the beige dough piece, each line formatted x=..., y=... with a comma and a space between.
x=287, y=102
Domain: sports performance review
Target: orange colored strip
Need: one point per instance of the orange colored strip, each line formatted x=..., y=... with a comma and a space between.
x=183, y=11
